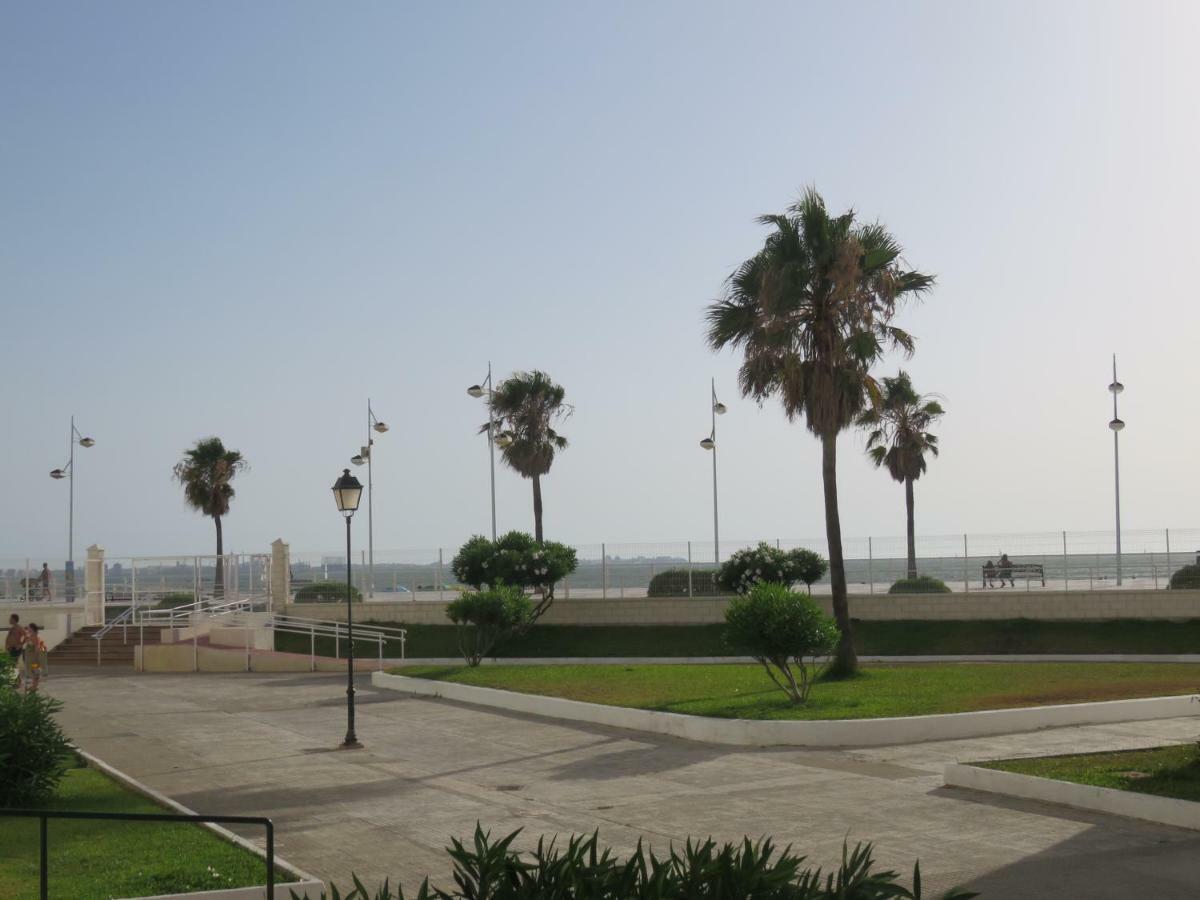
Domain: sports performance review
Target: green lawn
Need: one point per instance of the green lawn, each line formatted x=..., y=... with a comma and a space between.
x=745, y=692
x=902, y=638
x=117, y=859
x=1164, y=771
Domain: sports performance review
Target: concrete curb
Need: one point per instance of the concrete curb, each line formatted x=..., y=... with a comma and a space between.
x=720, y=660
x=825, y=733
x=1147, y=807
x=304, y=882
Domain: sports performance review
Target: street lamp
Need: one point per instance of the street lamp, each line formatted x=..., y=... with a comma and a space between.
x=364, y=456
x=347, y=491
x=1117, y=425
x=477, y=391
x=710, y=443
x=68, y=472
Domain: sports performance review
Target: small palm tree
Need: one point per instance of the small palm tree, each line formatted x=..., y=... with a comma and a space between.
x=812, y=311
x=899, y=440
x=525, y=407
x=206, y=473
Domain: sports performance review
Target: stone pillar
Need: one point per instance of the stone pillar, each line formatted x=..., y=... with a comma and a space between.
x=93, y=585
x=281, y=575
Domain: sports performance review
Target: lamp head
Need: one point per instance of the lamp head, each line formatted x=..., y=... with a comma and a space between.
x=381, y=427
x=1116, y=425
x=503, y=440
x=358, y=459
x=475, y=390
x=347, y=491
x=1116, y=387
x=86, y=442
x=708, y=444
x=719, y=408
x=57, y=473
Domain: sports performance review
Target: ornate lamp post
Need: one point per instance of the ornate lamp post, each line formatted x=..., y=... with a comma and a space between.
x=347, y=491
x=358, y=459
x=68, y=472
x=710, y=443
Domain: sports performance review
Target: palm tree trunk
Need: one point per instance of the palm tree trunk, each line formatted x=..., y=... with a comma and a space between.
x=912, y=535
x=537, y=508
x=845, y=661
x=219, y=576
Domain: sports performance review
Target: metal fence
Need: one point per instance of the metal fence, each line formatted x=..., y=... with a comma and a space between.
x=1049, y=561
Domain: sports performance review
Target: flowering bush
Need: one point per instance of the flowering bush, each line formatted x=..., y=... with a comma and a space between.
x=767, y=564
x=516, y=560
x=485, y=618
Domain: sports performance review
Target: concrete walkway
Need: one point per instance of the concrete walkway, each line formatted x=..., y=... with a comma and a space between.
x=262, y=744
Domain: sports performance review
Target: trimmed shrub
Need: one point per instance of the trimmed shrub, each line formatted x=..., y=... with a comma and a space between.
x=786, y=633
x=326, y=592
x=580, y=867
x=767, y=564
x=922, y=584
x=674, y=583
x=1187, y=578
x=486, y=618
x=34, y=752
x=515, y=559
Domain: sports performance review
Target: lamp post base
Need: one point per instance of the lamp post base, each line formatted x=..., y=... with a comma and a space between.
x=350, y=744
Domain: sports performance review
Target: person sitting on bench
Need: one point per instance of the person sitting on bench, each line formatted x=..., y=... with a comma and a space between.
x=1006, y=570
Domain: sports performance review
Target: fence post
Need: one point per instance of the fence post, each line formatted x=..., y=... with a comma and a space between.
x=27, y=579
x=441, y=577
x=603, y=572
x=1066, y=566
x=966, y=566
x=1168, y=557
x=689, y=568
x=870, y=566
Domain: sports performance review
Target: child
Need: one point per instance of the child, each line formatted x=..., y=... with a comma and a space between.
x=34, y=657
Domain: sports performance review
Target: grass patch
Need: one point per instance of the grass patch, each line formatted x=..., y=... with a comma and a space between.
x=892, y=638
x=99, y=860
x=745, y=692
x=1162, y=771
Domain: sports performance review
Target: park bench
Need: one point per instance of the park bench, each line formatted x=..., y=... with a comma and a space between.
x=1018, y=570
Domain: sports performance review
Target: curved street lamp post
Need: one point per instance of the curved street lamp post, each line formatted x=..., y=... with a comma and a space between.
x=365, y=456
x=68, y=472
x=1117, y=425
x=494, y=441
x=347, y=491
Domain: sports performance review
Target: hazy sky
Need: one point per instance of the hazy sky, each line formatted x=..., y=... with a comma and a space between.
x=244, y=219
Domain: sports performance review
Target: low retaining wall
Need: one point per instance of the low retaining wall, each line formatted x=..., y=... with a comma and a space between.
x=163, y=658
x=1109, y=604
x=828, y=733
x=1164, y=810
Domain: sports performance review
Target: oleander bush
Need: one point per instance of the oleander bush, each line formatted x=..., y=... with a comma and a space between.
x=1187, y=578
x=486, y=618
x=674, y=583
x=922, y=584
x=326, y=592
x=34, y=752
x=582, y=869
x=765, y=563
x=518, y=560
x=786, y=632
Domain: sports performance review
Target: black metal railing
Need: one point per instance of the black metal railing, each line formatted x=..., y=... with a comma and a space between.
x=43, y=815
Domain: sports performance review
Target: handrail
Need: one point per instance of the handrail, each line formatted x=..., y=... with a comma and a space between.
x=45, y=814
x=123, y=621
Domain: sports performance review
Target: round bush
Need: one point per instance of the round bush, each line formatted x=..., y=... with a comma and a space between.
x=767, y=564
x=485, y=618
x=514, y=558
x=922, y=584
x=326, y=592
x=1187, y=578
x=34, y=752
x=674, y=583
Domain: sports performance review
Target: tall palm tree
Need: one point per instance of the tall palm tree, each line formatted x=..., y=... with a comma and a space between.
x=812, y=311
x=525, y=407
x=206, y=473
x=899, y=440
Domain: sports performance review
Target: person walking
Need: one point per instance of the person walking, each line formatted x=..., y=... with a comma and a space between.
x=44, y=580
x=14, y=642
x=34, y=657
x=989, y=574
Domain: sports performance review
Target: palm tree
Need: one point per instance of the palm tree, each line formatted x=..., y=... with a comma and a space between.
x=900, y=438
x=206, y=472
x=812, y=312
x=525, y=407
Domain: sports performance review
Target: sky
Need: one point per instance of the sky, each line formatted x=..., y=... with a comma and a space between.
x=245, y=220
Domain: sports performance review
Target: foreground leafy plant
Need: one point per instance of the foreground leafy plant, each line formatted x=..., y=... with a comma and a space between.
x=700, y=870
x=34, y=752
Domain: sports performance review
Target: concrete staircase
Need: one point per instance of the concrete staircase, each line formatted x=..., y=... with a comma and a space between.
x=80, y=648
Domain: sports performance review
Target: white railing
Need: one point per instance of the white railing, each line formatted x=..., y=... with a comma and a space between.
x=379, y=635
x=123, y=620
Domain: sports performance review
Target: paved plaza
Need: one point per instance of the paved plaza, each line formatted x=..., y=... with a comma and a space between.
x=263, y=745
